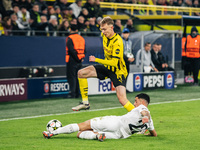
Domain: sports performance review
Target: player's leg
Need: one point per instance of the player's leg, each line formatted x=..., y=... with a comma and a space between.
x=73, y=128
x=105, y=124
x=83, y=74
x=111, y=135
x=121, y=95
x=91, y=135
x=119, y=82
x=70, y=128
x=101, y=127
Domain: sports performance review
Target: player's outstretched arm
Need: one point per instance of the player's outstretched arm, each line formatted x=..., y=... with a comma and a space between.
x=112, y=62
x=152, y=133
x=145, y=119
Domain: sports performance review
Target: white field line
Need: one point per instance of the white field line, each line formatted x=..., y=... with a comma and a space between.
x=167, y=102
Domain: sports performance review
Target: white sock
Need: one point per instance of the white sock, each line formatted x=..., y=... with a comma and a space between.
x=67, y=129
x=87, y=135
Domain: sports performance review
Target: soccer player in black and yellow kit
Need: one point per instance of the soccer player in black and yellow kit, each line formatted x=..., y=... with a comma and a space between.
x=113, y=67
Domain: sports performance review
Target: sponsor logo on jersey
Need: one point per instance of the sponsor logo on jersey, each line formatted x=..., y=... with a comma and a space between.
x=117, y=51
x=106, y=86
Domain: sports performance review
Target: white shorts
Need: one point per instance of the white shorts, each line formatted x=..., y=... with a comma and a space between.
x=110, y=125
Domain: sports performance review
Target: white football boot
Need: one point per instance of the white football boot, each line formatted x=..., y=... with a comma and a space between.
x=81, y=106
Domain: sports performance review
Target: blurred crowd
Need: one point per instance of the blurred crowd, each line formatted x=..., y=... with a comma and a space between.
x=47, y=18
x=22, y=17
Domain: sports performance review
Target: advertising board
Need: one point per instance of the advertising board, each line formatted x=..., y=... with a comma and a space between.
x=13, y=89
x=47, y=87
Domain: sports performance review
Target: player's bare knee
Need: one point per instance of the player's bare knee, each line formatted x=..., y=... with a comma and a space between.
x=84, y=126
x=80, y=73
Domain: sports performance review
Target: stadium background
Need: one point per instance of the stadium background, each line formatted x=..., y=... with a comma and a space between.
x=23, y=121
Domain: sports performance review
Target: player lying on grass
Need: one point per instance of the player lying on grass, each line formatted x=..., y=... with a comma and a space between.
x=113, y=127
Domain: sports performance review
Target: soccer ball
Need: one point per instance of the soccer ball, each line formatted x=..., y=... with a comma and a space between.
x=53, y=125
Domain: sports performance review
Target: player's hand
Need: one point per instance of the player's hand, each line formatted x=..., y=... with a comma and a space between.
x=92, y=58
x=147, y=133
x=131, y=59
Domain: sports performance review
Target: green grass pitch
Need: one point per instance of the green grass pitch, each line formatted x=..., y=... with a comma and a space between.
x=176, y=122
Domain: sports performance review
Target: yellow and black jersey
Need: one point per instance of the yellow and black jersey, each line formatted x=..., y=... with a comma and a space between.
x=113, y=52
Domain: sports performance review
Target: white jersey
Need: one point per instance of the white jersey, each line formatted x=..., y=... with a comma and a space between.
x=132, y=122
x=116, y=127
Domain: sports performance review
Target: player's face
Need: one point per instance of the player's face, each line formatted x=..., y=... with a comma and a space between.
x=137, y=102
x=107, y=30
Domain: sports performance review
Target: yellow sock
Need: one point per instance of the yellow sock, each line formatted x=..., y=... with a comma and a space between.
x=129, y=106
x=83, y=85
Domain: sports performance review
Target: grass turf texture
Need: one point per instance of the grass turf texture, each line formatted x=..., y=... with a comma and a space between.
x=177, y=124
x=60, y=105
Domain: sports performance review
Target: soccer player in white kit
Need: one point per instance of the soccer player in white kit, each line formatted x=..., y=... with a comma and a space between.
x=113, y=127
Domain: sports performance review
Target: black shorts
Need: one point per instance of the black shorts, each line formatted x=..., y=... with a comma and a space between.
x=103, y=73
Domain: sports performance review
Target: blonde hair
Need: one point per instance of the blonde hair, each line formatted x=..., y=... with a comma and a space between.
x=107, y=20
